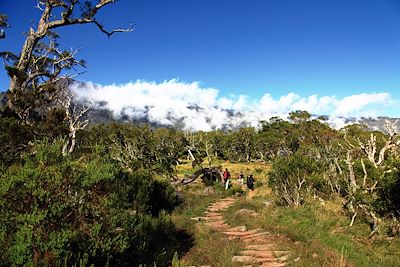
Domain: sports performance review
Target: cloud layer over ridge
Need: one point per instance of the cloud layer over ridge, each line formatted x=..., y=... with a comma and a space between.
x=196, y=108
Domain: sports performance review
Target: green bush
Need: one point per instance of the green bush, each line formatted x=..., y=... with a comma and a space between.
x=61, y=210
x=388, y=201
x=293, y=177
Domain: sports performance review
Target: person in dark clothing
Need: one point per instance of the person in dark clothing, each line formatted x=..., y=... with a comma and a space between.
x=250, y=182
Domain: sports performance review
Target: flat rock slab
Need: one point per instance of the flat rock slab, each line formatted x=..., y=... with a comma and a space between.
x=241, y=228
x=218, y=225
x=259, y=247
x=214, y=209
x=243, y=233
x=272, y=264
x=208, y=213
x=258, y=253
x=251, y=259
x=245, y=259
x=254, y=236
x=257, y=240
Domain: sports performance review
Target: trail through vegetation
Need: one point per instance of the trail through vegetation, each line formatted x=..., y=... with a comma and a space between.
x=258, y=244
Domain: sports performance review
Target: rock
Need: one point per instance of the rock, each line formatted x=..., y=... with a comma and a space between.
x=314, y=255
x=268, y=203
x=208, y=191
x=241, y=228
x=247, y=259
x=246, y=213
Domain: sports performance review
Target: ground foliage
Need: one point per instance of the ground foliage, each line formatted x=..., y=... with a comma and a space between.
x=56, y=209
x=109, y=201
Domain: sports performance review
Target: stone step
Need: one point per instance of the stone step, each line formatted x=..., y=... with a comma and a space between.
x=246, y=233
x=244, y=259
x=222, y=203
x=215, y=209
x=210, y=219
x=215, y=217
x=254, y=236
x=258, y=253
x=259, y=247
x=252, y=260
x=262, y=240
x=219, y=215
x=241, y=228
x=219, y=206
x=272, y=264
x=227, y=199
x=208, y=213
x=218, y=225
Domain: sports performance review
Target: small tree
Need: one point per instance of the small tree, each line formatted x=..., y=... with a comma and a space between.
x=299, y=116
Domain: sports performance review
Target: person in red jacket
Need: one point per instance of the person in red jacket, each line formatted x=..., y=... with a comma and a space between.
x=226, y=176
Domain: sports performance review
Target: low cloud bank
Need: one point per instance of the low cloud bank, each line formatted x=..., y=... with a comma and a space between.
x=193, y=107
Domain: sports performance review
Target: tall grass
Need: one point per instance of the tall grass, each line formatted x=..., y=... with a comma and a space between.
x=211, y=248
x=319, y=235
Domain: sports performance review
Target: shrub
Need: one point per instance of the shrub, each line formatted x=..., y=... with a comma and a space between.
x=291, y=178
x=60, y=210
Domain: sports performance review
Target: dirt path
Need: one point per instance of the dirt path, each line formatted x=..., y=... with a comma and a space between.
x=258, y=244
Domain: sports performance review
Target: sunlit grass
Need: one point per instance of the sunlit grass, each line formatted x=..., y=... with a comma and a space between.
x=211, y=248
x=317, y=233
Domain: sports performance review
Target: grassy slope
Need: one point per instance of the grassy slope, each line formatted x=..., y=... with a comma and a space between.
x=317, y=234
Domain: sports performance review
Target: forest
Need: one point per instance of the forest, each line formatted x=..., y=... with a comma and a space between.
x=74, y=193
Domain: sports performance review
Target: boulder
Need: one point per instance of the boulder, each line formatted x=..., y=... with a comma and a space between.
x=246, y=213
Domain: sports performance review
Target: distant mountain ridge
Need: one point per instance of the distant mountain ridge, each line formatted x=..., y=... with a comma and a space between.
x=236, y=119
x=232, y=119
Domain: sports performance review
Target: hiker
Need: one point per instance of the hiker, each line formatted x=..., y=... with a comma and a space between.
x=250, y=182
x=226, y=176
x=241, y=178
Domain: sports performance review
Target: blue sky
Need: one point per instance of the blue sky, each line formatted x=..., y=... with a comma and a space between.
x=243, y=47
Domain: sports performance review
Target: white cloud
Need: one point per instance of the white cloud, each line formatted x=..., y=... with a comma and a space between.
x=356, y=103
x=201, y=108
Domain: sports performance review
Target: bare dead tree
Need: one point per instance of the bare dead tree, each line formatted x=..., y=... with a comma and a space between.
x=74, y=118
x=192, y=143
x=208, y=146
x=124, y=153
x=370, y=147
x=41, y=63
x=376, y=157
x=352, y=177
